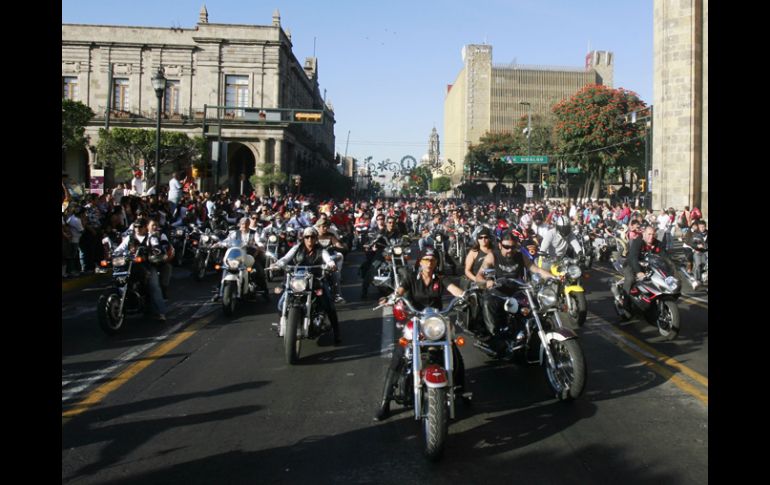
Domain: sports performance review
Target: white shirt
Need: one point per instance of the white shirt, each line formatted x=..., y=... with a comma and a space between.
x=137, y=186
x=664, y=221
x=76, y=228
x=174, y=190
x=553, y=244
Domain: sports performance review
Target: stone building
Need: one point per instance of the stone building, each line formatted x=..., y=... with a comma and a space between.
x=487, y=98
x=244, y=66
x=680, y=115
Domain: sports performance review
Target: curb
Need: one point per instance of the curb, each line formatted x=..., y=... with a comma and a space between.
x=80, y=282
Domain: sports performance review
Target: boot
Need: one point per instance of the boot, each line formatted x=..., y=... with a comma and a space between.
x=387, y=394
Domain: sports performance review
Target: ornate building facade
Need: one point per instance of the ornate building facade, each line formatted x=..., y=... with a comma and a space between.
x=243, y=66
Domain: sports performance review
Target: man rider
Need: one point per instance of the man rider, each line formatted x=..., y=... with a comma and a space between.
x=141, y=238
x=638, y=248
x=379, y=241
x=244, y=237
x=334, y=246
x=310, y=253
x=508, y=262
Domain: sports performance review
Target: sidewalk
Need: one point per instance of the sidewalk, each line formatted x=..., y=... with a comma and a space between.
x=77, y=282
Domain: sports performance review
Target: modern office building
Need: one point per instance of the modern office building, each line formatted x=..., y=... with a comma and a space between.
x=110, y=67
x=487, y=98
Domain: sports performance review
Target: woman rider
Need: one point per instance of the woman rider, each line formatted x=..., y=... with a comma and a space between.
x=423, y=289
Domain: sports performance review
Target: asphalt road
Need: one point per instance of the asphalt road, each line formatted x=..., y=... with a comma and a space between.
x=208, y=399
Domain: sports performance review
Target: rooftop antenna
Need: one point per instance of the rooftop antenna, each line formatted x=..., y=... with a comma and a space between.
x=313, y=46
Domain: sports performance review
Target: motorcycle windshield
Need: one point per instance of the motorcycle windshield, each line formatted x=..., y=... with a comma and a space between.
x=661, y=264
x=234, y=253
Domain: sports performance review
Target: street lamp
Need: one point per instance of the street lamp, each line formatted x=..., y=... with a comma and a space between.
x=529, y=132
x=159, y=85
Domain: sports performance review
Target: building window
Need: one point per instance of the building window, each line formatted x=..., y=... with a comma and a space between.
x=70, y=88
x=236, y=93
x=120, y=95
x=171, y=98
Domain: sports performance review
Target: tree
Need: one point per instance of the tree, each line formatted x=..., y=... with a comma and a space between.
x=271, y=177
x=591, y=132
x=74, y=116
x=122, y=148
x=418, y=181
x=326, y=182
x=441, y=184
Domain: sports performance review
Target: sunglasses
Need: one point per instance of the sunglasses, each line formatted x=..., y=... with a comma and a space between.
x=428, y=259
x=506, y=246
x=310, y=237
x=483, y=237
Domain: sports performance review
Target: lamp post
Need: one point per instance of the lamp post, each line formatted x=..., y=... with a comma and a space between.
x=529, y=132
x=159, y=85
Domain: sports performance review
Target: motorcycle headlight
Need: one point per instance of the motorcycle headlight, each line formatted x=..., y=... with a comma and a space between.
x=272, y=238
x=574, y=272
x=672, y=283
x=434, y=328
x=438, y=238
x=511, y=305
x=547, y=298
x=233, y=263
x=398, y=251
x=119, y=261
x=299, y=284
x=204, y=238
x=461, y=231
x=180, y=232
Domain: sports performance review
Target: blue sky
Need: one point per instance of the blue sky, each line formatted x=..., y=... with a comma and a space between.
x=385, y=65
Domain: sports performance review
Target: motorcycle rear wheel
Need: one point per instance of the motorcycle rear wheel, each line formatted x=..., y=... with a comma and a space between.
x=667, y=320
x=434, y=424
x=567, y=381
x=110, y=320
x=292, y=345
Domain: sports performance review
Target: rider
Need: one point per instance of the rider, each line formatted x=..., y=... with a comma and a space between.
x=254, y=257
x=422, y=289
x=508, y=262
x=140, y=237
x=334, y=246
x=164, y=266
x=379, y=240
x=310, y=253
x=637, y=249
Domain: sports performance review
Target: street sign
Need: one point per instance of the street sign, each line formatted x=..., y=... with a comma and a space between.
x=527, y=160
x=309, y=117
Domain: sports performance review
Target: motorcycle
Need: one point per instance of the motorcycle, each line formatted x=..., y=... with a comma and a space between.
x=389, y=275
x=302, y=315
x=237, y=283
x=439, y=237
x=274, y=243
x=426, y=379
x=129, y=294
x=208, y=253
x=179, y=237
x=570, y=295
x=458, y=243
x=654, y=296
x=533, y=333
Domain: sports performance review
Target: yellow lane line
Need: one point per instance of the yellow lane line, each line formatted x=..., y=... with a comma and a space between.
x=683, y=297
x=98, y=394
x=665, y=359
x=666, y=374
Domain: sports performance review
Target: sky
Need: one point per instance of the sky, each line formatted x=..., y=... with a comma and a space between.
x=385, y=65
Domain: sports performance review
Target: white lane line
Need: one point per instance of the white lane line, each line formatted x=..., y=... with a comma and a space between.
x=388, y=326
x=69, y=394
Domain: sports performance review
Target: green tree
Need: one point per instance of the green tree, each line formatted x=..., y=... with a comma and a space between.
x=418, y=181
x=441, y=184
x=326, y=182
x=271, y=177
x=74, y=116
x=592, y=134
x=122, y=148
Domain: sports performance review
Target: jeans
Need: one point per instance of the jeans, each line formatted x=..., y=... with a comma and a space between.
x=153, y=286
x=699, y=258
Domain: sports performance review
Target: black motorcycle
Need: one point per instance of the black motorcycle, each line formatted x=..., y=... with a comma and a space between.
x=208, y=254
x=129, y=294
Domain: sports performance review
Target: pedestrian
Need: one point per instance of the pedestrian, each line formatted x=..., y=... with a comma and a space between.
x=137, y=186
x=175, y=191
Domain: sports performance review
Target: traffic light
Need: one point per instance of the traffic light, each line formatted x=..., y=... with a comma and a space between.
x=543, y=179
x=642, y=184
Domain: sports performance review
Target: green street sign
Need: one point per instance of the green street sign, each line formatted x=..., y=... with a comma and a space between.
x=527, y=160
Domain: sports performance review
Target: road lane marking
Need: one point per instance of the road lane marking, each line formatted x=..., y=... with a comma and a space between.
x=653, y=359
x=98, y=394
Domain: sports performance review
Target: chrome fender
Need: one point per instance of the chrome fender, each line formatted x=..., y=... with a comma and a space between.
x=560, y=334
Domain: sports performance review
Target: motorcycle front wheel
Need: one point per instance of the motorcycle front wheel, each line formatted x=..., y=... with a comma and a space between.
x=229, y=295
x=108, y=313
x=199, y=271
x=579, y=308
x=434, y=424
x=567, y=379
x=667, y=319
x=292, y=345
